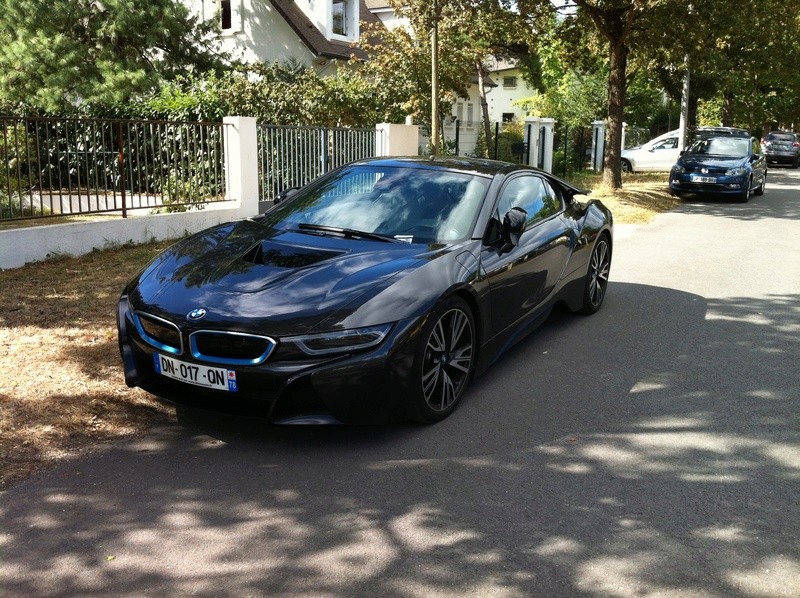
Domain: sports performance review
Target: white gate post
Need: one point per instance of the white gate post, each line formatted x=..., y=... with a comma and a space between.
x=396, y=140
x=241, y=162
x=598, y=144
x=549, y=130
x=531, y=157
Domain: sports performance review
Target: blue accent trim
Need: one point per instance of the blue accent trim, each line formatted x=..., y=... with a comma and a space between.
x=151, y=341
x=271, y=344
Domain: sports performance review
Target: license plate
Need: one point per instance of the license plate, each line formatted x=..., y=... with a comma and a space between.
x=192, y=373
x=703, y=179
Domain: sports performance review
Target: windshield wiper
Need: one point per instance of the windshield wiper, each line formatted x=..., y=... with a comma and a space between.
x=348, y=233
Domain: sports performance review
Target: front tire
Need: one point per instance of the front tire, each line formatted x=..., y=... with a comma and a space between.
x=594, y=291
x=744, y=196
x=626, y=166
x=445, y=361
x=760, y=189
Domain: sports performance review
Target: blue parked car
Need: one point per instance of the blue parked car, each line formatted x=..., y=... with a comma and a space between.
x=721, y=165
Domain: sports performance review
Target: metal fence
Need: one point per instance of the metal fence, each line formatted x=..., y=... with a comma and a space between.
x=54, y=166
x=291, y=156
x=572, y=149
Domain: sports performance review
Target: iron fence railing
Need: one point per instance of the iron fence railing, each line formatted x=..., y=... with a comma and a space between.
x=55, y=166
x=290, y=156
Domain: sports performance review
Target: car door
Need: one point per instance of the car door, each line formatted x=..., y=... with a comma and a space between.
x=520, y=279
x=660, y=156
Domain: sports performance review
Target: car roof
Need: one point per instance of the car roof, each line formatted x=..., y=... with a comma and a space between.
x=479, y=166
x=721, y=132
x=459, y=163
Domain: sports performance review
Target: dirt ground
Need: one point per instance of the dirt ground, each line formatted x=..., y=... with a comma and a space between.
x=61, y=383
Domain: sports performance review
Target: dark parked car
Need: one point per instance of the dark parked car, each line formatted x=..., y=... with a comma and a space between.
x=720, y=165
x=375, y=292
x=782, y=148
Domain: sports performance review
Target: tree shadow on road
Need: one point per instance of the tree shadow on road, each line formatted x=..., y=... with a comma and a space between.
x=651, y=448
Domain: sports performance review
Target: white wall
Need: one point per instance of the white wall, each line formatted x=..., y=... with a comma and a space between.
x=22, y=245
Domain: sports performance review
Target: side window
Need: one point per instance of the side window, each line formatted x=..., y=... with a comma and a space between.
x=531, y=193
x=669, y=143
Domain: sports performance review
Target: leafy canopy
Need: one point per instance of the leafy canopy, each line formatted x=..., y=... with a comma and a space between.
x=60, y=54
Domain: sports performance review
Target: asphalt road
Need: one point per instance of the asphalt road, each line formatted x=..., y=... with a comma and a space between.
x=651, y=449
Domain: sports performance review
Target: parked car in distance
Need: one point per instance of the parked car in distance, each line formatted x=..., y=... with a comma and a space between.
x=781, y=147
x=661, y=153
x=374, y=293
x=657, y=154
x=726, y=165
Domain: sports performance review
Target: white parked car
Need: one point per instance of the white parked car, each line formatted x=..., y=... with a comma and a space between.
x=657, y=154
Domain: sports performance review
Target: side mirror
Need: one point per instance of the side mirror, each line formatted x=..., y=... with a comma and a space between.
x=513, y=226
x=284, y=195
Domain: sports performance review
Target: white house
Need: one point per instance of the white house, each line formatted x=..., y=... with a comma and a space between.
x=316, y=33
x=387, y=15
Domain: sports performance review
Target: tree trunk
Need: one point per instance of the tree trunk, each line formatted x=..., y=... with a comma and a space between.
x=612, y=173
x=487, y=126
x=727, y=109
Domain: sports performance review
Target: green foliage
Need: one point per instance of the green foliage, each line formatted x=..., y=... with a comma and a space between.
x=283, y=94
x=17, y=173
x=56, y=56
x=180, y=193
x=510, y=133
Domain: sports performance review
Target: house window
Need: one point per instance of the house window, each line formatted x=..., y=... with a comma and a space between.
x=340, y=17
x=508, y=117
x=509, y=82
x=226, y=16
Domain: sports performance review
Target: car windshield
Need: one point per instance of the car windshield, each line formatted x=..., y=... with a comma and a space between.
x=721, y=146
x=399, y=203
x=780, y=137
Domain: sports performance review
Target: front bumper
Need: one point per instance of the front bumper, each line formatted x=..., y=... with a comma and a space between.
x=364, y=388
x=722, y=184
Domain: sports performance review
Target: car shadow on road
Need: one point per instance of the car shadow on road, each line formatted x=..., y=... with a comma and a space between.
x=651, y=448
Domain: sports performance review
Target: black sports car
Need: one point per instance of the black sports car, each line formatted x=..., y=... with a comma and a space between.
x=374, y=293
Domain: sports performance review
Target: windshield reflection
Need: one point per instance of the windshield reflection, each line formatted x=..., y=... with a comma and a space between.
x=721, y=146
x=409, y=204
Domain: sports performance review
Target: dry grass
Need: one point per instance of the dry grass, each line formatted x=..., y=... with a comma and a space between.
x=640, y=199
x=61, y=384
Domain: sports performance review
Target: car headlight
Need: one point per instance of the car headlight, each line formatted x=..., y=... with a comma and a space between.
x=340, y=341
x=678, y=169
x=738, y=171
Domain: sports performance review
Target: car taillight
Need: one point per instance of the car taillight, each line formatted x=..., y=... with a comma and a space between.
x=796, y=144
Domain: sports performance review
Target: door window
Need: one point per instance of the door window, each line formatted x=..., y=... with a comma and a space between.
x=531, y=193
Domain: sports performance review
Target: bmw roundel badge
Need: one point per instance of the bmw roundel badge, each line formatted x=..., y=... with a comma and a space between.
x=198, y=313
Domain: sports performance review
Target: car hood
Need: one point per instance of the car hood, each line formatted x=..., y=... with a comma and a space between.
x=247, y=276
x=695, y=161
x=630, y=150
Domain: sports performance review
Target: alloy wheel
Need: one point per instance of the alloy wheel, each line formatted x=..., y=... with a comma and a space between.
x=447, y=361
